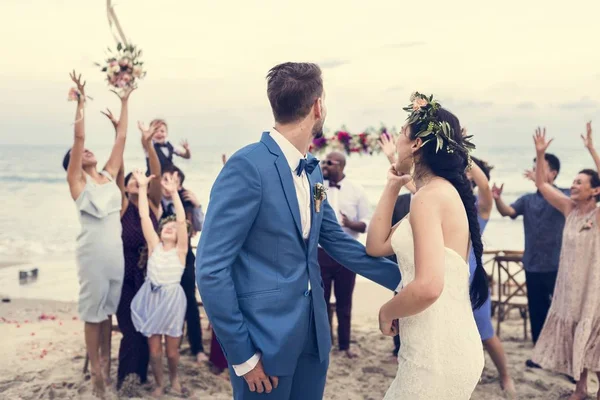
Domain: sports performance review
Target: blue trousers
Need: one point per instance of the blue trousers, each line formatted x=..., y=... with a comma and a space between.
x=307, y=382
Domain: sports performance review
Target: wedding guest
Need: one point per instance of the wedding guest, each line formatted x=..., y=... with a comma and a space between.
x=164, y=148
x=351, y=207
x=570, y=340
x=479, y=176
x=133, y=350
x=543, y=226
x=99, y=250
x=195, y=218
x=157, y=309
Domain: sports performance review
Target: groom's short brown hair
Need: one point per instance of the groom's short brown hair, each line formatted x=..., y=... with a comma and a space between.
x=292, y=89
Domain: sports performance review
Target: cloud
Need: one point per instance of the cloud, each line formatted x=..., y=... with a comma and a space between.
x=329, y=64
x=526, y=105
x=584, y=102
x=404, y=45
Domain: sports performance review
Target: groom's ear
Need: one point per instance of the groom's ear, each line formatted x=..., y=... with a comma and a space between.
x=318, y=108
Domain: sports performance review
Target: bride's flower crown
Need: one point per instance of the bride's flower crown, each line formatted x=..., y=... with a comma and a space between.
x=424, y=114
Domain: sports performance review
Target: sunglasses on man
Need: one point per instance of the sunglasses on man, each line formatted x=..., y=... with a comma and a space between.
x=330, y=162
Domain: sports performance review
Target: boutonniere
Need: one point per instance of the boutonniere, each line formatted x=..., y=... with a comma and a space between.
x=587, y=225
x=319, y=195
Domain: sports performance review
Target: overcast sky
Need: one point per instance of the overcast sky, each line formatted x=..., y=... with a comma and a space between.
x=502, y=67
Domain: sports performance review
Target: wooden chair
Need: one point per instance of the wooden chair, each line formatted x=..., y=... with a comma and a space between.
x=509, y=293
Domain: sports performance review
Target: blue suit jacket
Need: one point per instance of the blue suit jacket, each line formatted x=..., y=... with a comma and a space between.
x=253, y=266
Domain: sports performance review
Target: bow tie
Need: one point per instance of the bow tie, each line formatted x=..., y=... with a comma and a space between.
x=161, y=144
x=334, y=185
x=306, y=165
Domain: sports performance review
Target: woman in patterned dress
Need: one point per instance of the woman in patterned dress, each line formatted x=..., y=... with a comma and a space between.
x=570, y=339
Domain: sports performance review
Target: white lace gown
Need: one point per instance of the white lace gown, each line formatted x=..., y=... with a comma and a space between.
x=441, y=355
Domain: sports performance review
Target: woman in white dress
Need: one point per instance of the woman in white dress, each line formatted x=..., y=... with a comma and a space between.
x=441, y=356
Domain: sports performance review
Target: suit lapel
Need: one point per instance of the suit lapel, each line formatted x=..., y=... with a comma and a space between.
x=285, y=176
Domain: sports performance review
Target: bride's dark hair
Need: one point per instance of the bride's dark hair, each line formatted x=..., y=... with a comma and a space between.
x=446, y=155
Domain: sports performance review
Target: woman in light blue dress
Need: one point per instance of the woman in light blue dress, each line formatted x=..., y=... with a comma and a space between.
x=158, y=309
x=479, y=176
x=99, y=249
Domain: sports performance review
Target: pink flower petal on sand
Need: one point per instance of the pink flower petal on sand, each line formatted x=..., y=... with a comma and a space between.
x=32, y=333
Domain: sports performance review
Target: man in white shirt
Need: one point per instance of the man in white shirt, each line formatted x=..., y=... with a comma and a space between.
x=351, y=207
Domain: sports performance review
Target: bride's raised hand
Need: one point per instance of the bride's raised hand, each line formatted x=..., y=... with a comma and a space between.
x=398, y=178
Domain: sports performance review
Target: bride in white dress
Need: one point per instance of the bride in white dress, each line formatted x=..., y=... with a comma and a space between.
x=441, y=356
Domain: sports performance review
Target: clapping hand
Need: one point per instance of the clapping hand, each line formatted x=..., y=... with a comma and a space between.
x=111, y=117
x=497, y=191
x=541, y=143
x=141, y=179
x=587, y=139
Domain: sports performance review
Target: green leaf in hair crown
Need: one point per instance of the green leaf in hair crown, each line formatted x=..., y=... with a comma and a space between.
x=423, y=113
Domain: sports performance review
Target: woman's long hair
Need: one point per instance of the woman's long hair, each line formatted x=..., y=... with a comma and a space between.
x=452, y=165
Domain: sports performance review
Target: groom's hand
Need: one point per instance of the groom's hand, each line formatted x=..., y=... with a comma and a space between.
x=259, y=382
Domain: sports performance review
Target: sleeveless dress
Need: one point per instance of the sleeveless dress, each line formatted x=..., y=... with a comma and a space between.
x=441, y=356
x=159, y=306
x=570, y=338
x=483, y=315
x=133, y=350
x=99, y=250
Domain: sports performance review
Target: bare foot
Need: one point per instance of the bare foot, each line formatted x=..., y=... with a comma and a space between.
x=578, y=396
x=158, y=392
x=508, y=387
x=351, y=354
x=177, y=389
x=98, y=389
x=201, y=358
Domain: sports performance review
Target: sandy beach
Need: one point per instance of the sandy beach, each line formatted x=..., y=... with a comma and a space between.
x=43, y=355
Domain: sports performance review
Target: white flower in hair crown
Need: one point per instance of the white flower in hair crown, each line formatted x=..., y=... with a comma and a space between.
x=320, y=194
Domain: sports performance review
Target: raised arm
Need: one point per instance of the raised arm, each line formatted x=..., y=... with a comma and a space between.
x=380, y=229
x=121, y=174
x=116, y=156
x=75, y=174
x=154, y=188
x=504, y=209
x=558, y=199
x=150, y=234
x=184, y=150
x=234, y=203
x=169, y=182
x=426, y=288
x=589, y=144
x=484, y=192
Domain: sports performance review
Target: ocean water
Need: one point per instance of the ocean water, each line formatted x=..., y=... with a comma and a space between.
x=39, y=220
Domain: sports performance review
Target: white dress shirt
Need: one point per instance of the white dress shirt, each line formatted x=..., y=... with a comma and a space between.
x=293, y=157
x=351, y=200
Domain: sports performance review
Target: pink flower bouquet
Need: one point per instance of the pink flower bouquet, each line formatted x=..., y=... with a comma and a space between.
x=123, y=67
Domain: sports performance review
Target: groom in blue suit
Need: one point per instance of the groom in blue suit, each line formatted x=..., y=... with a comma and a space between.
x=256, y=262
